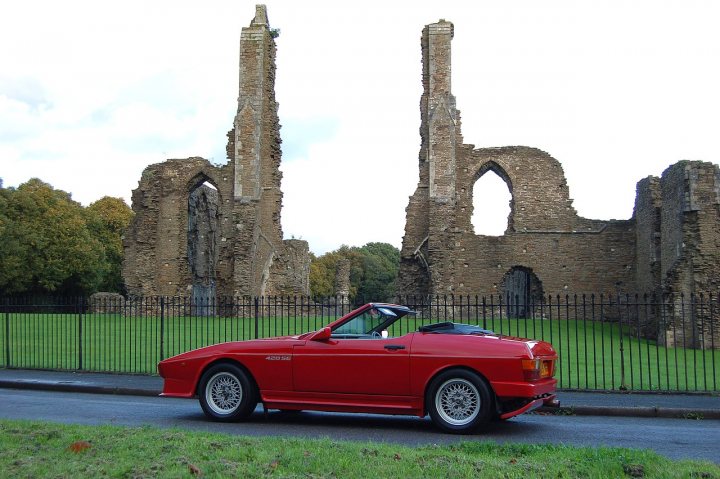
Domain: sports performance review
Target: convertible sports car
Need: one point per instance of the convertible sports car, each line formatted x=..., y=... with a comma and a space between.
x=462, y=375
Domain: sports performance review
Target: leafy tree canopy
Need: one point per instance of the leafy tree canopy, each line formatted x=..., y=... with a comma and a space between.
x=381, y=262
x=373, y=270
x=51, y=244
x=107, y=220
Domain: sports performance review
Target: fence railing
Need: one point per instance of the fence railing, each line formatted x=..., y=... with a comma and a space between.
x=604, y=342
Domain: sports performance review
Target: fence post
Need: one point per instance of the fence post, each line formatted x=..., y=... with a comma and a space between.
x=80, y=332
x=162, y=328
x=257, y=317
x=7, y=332
x=623, y=386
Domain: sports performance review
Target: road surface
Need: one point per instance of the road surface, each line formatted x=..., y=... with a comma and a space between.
x=673, y=438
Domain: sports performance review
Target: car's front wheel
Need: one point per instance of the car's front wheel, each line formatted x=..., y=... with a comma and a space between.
x=459, y=401
x=226, y=393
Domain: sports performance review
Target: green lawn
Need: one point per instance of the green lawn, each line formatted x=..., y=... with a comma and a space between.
x=40, y=450
x=590, y=351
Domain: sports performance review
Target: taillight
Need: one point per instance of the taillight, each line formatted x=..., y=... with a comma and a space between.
x=531, y=369
x=534, y=369
x=547, y=368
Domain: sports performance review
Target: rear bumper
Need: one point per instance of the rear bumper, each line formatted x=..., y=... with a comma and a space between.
x=529, y=390
x=549, y=401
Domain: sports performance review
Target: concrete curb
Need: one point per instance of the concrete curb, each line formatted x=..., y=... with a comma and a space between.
x=632, y=411
x=72, y=386
x=625, y=411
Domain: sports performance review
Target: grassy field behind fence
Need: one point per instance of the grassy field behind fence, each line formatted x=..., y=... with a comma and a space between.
x=593, y=355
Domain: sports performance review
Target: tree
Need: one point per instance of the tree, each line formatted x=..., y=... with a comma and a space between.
x=324, y=269
x=107, y=220
x=321, y=275
x=46, y=245
x=373, y=270
x=380, y=264
x=10, y=260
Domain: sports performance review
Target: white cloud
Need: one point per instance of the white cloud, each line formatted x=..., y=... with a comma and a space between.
x=93, y=92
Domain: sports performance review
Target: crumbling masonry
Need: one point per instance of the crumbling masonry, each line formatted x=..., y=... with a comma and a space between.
x=210, y=231
x=671, y=245
x=205, y=231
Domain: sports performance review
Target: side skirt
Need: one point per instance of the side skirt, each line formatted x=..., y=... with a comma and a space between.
x=371, y=404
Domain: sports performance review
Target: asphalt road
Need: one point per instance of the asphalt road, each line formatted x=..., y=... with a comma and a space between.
x=674, y=438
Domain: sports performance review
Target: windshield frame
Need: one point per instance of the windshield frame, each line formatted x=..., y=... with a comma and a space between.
x=387, y=314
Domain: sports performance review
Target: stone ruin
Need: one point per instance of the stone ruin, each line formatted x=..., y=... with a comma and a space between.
x=342, y=278
x=207, y=231
x=671, y=245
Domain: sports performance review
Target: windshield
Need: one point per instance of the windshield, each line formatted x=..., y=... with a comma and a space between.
x=372, y=321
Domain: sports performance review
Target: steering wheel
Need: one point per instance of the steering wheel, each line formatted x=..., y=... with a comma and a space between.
x=375, y=334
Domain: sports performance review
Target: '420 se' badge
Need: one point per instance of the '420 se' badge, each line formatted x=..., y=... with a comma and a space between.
x=277, y=358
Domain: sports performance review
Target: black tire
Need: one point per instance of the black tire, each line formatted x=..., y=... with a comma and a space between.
x=459, y=401
x=226, y=393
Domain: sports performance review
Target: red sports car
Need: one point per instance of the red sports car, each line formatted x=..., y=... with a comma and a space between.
x=462, y=375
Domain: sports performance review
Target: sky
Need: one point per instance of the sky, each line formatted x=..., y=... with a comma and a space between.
x=93, y=92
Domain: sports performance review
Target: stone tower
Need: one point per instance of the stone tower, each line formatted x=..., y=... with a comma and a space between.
x=441, y=135
x=430, y=214
x=254, y=151
x=205, y=231
x=678, y=250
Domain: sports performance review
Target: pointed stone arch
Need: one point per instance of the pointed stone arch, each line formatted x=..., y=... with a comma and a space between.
x=203, y=238
x=499, y=171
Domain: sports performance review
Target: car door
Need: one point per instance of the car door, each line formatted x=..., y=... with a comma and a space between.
x=379, y=366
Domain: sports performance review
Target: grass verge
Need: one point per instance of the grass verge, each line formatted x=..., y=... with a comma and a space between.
x=38, y=450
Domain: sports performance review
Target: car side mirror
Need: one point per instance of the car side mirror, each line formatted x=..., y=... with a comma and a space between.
x=321, y=335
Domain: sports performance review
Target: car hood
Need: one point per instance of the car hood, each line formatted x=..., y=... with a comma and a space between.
x=252, y=345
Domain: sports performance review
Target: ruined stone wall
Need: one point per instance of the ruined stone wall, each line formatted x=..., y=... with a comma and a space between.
x=671, y=245
x=647, y=214
x=156, y=242
x=106, y=303
x=545, y=236
x=674, y=206
x=690, y=234
x=342, y=278
x=290, y=274
x=566, y=253
x=648, y=251
x=248, y=254
x=414, y=270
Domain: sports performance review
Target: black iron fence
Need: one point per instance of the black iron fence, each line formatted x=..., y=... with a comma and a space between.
x=604, y=342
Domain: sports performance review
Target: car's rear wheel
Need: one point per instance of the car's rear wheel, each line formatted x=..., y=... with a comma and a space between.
x=226, y=393
x=459, y=401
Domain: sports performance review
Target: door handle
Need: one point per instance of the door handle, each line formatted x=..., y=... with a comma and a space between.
x=394, y=347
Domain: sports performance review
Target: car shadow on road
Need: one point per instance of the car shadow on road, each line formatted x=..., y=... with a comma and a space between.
x=405, y=429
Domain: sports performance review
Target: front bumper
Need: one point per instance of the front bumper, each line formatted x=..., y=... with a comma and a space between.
x=177, y=388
